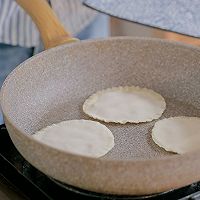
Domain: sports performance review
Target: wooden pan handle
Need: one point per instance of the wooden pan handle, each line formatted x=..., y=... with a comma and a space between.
x=51, y=30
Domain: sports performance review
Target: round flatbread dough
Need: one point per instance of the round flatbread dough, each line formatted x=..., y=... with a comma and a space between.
x=83, y=137
x=178, y=134
x=125, y=104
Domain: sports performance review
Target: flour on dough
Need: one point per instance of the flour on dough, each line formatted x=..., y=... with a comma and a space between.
x=125, y=104
x=178, y=134
x=83, y=137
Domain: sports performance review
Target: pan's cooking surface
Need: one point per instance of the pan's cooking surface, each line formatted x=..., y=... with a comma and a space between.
x=134, y=141
x=60, y=83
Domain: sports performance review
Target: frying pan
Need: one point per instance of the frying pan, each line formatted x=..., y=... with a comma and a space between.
x=52, y=86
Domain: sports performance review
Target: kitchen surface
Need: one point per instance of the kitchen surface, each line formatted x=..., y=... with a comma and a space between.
x=8, y=192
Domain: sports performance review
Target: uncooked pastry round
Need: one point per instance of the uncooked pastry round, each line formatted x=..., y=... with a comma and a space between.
x=178, y=134
x=125, y=104
x=83, y=137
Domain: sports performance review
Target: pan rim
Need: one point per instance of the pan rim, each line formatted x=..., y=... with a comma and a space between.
x=110, y=160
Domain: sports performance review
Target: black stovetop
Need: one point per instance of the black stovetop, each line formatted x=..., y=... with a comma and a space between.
x=36, y=185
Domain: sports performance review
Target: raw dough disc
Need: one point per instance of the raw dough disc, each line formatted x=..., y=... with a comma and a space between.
x=178, y=134
x=83, y=137
x=125, y=104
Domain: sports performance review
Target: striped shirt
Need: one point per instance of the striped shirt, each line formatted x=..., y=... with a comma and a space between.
x=17, y=28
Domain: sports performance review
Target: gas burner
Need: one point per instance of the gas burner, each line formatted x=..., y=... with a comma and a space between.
x=104, y=196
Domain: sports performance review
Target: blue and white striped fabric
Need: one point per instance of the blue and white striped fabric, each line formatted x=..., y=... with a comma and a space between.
x=17, y=28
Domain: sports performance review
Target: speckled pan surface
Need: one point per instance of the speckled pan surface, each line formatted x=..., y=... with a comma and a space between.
x=53, y=85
